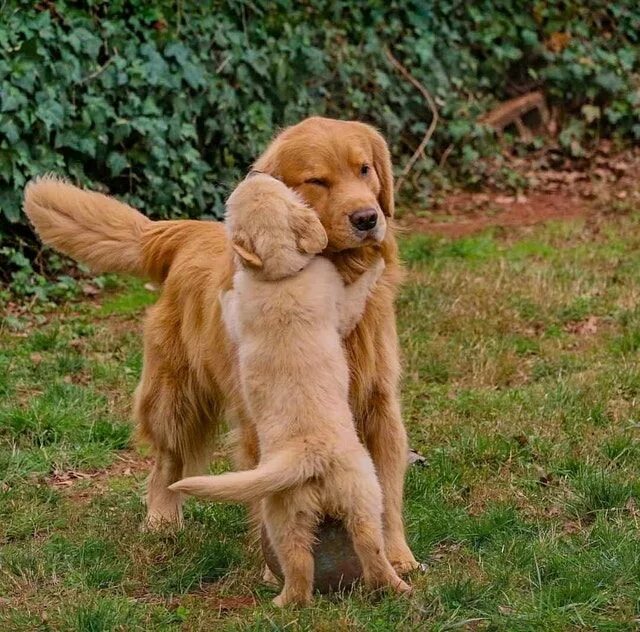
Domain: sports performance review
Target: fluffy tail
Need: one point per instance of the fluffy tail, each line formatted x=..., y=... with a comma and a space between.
x=277, y=474
x=90, y=227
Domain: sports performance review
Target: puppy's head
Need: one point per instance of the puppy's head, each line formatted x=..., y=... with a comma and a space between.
x=343, y=170
x=273, y=232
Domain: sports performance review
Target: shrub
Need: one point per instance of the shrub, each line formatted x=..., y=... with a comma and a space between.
x=166, y=104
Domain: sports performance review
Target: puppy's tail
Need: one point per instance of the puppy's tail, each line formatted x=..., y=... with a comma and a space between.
x=283, y=471
x=99, y=231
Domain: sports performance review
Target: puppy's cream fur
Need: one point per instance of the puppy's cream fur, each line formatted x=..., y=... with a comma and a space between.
x=287, y=314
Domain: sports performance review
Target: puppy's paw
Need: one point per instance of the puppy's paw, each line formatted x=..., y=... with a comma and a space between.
x=402, y=588
x=405, y=566
x=378, y=268
x=401, y=558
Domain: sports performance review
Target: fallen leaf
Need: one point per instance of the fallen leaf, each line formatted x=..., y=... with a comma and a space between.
x=546, y=480
x=586, y=327
x=415, y=458
x=36, y=358
x=558, y=41
x=228, y=604
x=521, y=440
x=90, y=290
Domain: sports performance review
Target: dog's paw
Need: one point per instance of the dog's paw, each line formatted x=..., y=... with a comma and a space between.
x=285, y=599
x=279, y=601
x=158, y=522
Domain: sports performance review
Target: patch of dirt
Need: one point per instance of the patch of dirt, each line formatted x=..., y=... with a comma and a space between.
x=557, y=189
x=231, y=603
x=127, y=464
x=21, y=319
x=469, y=213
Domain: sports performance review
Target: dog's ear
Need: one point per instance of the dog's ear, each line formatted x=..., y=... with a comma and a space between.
x=311, y=237
x=242, y=246
x=382, y=165
x=269, y=161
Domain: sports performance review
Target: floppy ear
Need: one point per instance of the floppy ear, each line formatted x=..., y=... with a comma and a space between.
x=269, y=161
x=311, y=236
x=382, y=165
x=243, y=248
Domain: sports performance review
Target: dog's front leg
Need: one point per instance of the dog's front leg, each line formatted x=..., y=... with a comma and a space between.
x=386, y=440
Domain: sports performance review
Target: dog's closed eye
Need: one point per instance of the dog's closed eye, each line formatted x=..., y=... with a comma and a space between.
x=321, y=182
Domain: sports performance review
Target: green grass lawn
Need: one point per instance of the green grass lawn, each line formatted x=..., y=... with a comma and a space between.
x=521, y=389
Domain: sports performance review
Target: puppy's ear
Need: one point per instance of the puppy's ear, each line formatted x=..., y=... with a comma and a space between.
x=382, y=165
x=241, y=244
x=311, y=237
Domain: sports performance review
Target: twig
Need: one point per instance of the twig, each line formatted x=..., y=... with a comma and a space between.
x=434, y=116
x=99, y=70
x=460, y=624
x=223, y=63
x=445, y=155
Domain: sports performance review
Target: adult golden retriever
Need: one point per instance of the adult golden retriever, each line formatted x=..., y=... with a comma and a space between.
x=189, y=380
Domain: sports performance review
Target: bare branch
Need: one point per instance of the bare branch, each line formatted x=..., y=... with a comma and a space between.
x=99, y=70
x=434, y=116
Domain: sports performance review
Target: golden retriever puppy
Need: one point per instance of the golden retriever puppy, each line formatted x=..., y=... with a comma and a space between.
x=288, y=312
x=189, y=380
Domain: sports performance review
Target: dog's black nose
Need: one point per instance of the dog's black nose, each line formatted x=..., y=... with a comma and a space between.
x=364, y=219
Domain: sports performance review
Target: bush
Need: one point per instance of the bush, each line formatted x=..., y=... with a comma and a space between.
x=166, y=104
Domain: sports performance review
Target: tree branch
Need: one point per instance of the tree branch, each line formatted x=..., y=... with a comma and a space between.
x=434, y=116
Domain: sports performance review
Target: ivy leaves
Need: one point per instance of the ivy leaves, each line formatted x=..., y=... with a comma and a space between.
x=166, y=104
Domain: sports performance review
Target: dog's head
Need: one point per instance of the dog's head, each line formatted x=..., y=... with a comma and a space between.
x=343, y=170
x=273, y=232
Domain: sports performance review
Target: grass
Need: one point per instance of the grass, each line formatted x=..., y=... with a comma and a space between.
x=521, y=388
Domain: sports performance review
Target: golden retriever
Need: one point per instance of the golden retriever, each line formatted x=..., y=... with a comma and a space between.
x=342, y=169
x=288, y=312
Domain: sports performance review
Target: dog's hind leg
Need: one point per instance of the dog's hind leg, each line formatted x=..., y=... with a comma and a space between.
x=169, y=418
x=164, y=507
x=291, y=532
x=246, y=455
x=363, y=522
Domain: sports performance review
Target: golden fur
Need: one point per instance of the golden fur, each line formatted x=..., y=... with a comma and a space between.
x=287, y=313
x=190, y=377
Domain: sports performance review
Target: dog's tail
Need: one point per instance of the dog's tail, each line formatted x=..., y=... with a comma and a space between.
x=281, y=472
x=99, y=231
